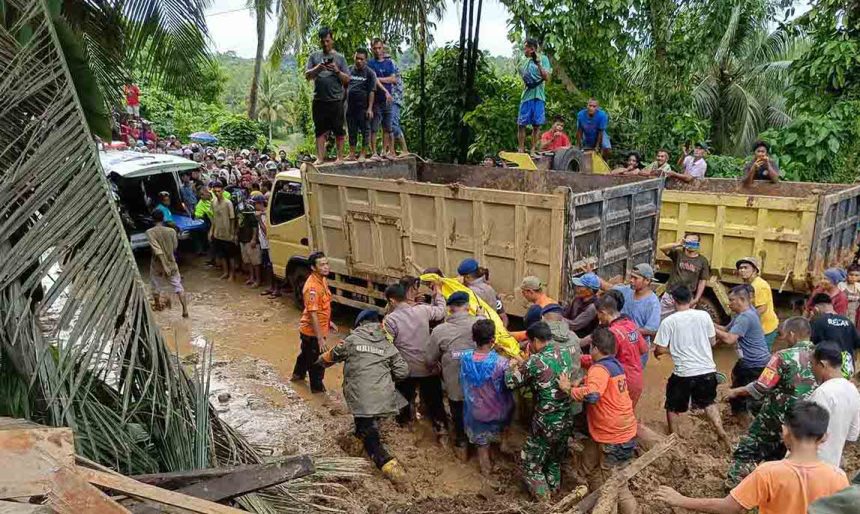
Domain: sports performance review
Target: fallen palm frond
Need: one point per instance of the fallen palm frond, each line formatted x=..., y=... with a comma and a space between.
x=79, y=346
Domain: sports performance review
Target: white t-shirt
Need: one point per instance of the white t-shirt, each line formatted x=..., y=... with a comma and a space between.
x=696, y=169
x=688, y=335
x=842, y=401
x=264, y=241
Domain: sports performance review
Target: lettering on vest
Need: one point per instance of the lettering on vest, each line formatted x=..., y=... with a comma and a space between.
x=363, y=348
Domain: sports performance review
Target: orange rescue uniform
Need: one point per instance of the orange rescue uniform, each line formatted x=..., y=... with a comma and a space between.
x=607, y=402
x=317, y=298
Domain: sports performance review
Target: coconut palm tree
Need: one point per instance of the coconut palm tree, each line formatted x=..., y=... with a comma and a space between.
x=739, y=86
x=293, y=17
x=272, y=100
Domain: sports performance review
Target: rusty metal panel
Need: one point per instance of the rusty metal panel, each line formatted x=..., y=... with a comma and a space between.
x=614, y=227
x=835, y=240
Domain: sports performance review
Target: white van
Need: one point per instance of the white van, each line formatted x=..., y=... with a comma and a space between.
x=136, y=179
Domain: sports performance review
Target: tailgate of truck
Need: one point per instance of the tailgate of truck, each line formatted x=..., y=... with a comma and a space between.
x=835, y=240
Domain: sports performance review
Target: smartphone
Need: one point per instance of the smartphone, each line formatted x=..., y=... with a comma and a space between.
x=328, y=60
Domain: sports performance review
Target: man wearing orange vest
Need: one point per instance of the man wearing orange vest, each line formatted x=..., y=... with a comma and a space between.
x=315, y=323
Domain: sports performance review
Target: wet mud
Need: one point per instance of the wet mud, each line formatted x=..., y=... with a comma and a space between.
x=256, y=341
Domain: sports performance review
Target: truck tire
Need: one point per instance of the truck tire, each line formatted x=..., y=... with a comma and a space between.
x=568, y=159
x=296, y=279
x=713, y=308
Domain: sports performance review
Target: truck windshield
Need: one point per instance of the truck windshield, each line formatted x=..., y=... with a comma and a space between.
x=287, y=202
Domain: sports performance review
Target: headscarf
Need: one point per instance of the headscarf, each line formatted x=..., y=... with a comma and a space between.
x=835, y=275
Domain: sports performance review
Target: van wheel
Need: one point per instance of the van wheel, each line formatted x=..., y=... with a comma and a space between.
x=712, y=308
x=568, y=159
x=297, y=279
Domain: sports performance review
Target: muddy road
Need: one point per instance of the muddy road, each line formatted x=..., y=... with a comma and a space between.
x=256, y=341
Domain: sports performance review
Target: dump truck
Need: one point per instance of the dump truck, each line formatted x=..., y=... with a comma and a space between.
x=378, y=222
x=795, y=229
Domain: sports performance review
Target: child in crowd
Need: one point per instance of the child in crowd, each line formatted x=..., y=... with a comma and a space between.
x=265, y=267
x=851, y=288
x=611, y=422
x=779, y=487
x=488, y=403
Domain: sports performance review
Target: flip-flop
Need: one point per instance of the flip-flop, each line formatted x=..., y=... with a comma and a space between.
x=722, y=378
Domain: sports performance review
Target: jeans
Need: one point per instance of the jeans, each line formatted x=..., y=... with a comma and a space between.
x=430, y=389
x=367, y=430
x=305, y=363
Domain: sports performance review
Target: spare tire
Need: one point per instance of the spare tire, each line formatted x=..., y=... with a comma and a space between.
x=568, y=159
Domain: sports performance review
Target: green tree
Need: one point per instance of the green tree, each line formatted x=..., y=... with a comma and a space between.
x=273, y=98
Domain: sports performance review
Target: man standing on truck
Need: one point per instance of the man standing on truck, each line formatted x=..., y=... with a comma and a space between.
x=386, y=76
x=408, y=327
x=749, y=271
x=692, y=166
x=315, y=323
x=535, y=71
x=330, y=74
x=359, y=111
x=591, y=124
x=689, y=268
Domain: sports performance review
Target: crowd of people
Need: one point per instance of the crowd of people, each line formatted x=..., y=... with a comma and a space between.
x=582, y=367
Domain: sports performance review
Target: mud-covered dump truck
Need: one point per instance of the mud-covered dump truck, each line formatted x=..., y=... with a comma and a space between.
x=380, y=221
x=795, y=229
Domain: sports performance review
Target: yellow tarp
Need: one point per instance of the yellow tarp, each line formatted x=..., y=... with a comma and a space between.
x=522, y=160
x=505, y=342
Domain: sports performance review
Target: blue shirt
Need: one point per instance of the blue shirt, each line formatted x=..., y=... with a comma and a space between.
x=188, y=196
x=751, y=346
x=383, y=68
x=168, y=216
x=591, y=126
x=645, y=312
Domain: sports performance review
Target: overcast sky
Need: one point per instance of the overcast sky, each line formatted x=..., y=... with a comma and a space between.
x=232, y=27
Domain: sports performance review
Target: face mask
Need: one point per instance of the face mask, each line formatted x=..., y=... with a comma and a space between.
x=692, y=245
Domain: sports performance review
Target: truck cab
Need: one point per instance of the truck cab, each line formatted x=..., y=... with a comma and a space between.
x=288, y=229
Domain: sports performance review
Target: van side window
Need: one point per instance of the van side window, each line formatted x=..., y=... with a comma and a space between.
x=287, y=202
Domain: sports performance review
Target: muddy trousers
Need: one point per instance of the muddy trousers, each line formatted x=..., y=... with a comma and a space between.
x=430, y=391
x=305, y=363
x=456, y=407
x=367, y=430
x=542, y=455
x=596, y=464
x=763, y=442
x=741, y=376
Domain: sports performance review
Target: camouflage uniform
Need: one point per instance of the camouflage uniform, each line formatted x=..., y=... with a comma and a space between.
x=787, y=379
x=546, y=445
x=566, y=339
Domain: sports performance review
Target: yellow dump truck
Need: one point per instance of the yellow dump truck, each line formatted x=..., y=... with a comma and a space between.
x=795, y=229
x=380, y=222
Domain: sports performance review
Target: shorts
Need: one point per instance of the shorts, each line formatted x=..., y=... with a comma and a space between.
x=162, y=284
x=133, y=110
x=770, y=338
x=699, y=391
x=358, y=124
x=264, y=258
x=667, y=306
x=532, y=112
x=396, y=130
x=328, y=117
x=251, y=254
x=381, y=116
x=223, y=249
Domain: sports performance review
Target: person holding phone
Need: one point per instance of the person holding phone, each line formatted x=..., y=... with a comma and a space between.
x=693, y=166
x=762, y=166
x=535, y=71
x=330, y=74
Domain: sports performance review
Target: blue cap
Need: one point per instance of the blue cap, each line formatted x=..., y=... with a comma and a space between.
x=553, y=307
x=458, y=298
x=589, y=280
x=468, y=266
x=532, y=315
x=367, y=315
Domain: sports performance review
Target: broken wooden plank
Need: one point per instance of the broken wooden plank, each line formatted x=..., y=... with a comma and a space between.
x=34, y=452
x=625, y=473
x=143, y=491
x=251, y=480
x=70, y=493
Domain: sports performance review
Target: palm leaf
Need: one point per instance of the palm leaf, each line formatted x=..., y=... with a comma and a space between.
x=294, y=17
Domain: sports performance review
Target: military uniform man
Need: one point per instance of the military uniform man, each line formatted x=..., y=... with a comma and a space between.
x=566, y=339
x=786, y=379
x=371, y=366
x=448, y=341
x=546, y=445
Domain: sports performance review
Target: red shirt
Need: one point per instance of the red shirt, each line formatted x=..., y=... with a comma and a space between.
x=629, y=348
x=839, y=300
x=132, y=94
x=551, y=142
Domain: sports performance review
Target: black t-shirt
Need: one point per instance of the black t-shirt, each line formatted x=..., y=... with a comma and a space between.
x=361, y=84
x=834, y=327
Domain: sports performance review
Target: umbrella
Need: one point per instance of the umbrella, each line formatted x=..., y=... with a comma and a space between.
x=203, y=137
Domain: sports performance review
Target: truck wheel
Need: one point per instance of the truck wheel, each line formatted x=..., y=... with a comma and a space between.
x=713, y=309
x=568, y=159
x=296, y=279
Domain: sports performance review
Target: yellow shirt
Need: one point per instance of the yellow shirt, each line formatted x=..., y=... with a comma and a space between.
x=764, y=296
